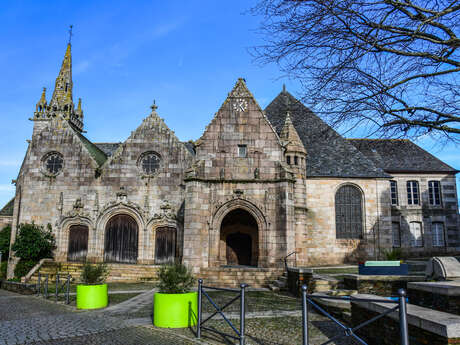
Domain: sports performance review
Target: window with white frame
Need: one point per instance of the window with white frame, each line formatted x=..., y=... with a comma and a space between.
x=416, y=238
x=394, y=192
x=412, y=193
x=437, y=231
x=396, y=234
x=434, y=192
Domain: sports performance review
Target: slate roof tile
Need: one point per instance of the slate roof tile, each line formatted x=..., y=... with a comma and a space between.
x=328, y=153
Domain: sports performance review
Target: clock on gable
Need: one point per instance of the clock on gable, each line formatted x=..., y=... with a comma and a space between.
x=240, y=104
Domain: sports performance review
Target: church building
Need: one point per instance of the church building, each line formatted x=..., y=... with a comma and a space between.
x=258, y=185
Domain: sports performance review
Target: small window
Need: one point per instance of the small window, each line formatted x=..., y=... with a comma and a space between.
x=416, y=234
x=242, y=151
x=53, y=163
x=437, y=231
x=412, y=193
x=434, y=191
x=296, y=160
x=149, y=163
x=288, y=160
x=394, y=192
x=396, y=234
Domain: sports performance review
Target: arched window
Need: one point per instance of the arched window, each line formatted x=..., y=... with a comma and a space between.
x=348, y=212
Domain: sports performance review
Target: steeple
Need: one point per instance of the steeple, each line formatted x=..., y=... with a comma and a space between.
x=61, y=106
x=62, y=95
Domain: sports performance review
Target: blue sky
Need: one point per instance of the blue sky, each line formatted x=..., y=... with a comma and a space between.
x=186, y=55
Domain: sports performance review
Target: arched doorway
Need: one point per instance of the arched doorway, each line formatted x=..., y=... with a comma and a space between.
x=78, y=243
x=121, y=234
x=239, y=239
x=165, y=245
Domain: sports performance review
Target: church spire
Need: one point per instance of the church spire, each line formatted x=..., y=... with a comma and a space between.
x=62, y=95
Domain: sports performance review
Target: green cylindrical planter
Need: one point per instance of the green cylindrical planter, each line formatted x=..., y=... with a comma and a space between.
x=175, y=310
x=92, y=296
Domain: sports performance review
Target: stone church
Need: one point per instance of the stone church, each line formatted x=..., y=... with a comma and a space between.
x=258, y=185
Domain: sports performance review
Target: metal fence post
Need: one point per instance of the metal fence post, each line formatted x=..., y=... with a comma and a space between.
x=198, y=329
x=67, y=290
x=242, y=312
x=46, y=287
x=304, y=315
x=56, y=291
x=38, y=284
x=403, y=317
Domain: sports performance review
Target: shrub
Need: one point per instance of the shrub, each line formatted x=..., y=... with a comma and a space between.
x=175, y=278
x=23, y=267
x=394, y=254
x=3, y=268
x=34, y=242
x=5, y=235
x=94, y=273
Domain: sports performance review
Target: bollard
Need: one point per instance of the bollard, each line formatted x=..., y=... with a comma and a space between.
x=304, y=315
x=403, y=317
x=200, y=289
x=242, y=312
x=46, y=287
x=38, y=283
x=67, y=290
x=57, y=288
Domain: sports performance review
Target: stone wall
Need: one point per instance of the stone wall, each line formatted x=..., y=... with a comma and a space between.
x=378, y=285
x=5, y=220
x=442, y=296
x=320, y=246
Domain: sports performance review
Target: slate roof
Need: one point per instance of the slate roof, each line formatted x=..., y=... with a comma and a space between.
x=400, y=155
x=7, y=210
x=99, y=156
x=328, y=153
x=108, y=148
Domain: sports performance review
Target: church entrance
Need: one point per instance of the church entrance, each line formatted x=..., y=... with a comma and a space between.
x=78, y=243
x=121, y=234
x=165, y=245
x=239, y=239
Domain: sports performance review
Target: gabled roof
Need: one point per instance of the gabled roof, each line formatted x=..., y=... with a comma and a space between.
x=99, y=156
x=7, y=210
x=328, y=153
x=107, y=148
x=400, y=155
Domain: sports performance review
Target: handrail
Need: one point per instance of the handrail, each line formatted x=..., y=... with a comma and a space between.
x=285, y=260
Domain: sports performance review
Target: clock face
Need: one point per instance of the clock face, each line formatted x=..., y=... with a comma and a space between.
x=240, y=104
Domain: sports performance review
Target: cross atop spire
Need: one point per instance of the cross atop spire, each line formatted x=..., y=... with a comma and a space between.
x=154, y=107
x=70, y=34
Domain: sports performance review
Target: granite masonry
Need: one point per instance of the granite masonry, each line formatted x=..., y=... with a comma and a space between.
x=257, y=186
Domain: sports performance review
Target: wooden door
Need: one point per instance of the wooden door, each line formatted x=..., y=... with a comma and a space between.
x=78, y=243
x=165, y=245
x=121, y=237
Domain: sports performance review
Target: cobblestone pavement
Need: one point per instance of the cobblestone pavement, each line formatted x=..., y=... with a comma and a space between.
x=32, y=320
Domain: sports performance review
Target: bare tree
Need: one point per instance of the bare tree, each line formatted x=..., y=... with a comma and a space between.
x=390, y=64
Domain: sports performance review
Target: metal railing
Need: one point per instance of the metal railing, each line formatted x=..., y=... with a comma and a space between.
x=350, y=331
x=65, y=287
x=241, y=295
x=285, y=260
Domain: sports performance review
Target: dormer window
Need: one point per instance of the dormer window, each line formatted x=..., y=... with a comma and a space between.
x=242, y=151
x=296, y=160
x=288, y=160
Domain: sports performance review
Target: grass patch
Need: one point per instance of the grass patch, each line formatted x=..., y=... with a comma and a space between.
x=111, y=286
x=349, y=270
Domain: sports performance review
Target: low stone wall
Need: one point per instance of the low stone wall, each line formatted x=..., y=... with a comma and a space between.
x=22, y=288
x=426, y=326
x=298, y=276
x=378, y=285
x=255, y=277
x=443, y=296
